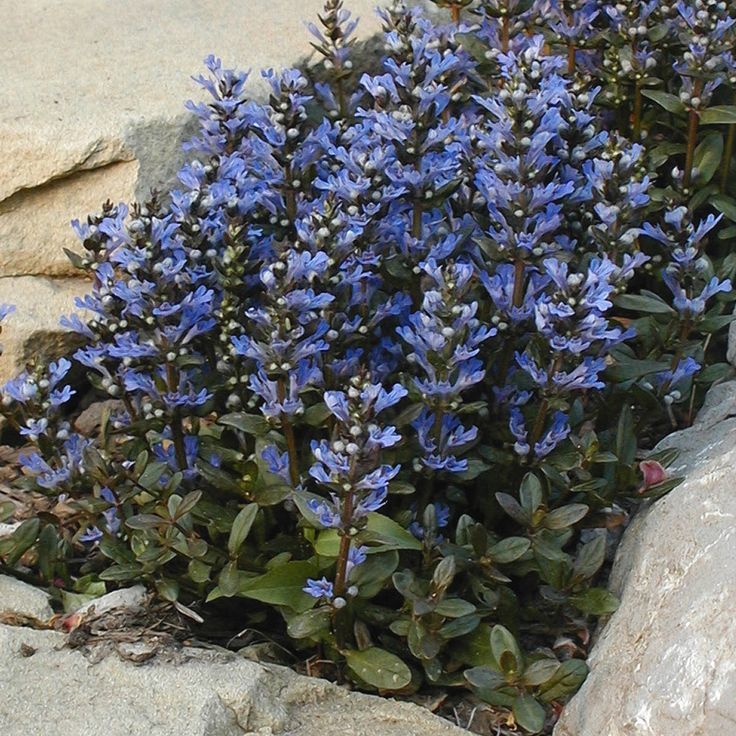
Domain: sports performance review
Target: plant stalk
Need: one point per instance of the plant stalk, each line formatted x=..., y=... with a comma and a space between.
x=692, y=138
x=177, y=430
x=519, y=273
x=290, y=439
x=637, y=112
x=727, y=157
x=505, y=33
x=341, y=574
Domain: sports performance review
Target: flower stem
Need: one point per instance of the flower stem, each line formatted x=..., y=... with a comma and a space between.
x=341, y=574
x=727, y=157
x=538, y=427
x=177, y=431
x=571, y=53
x=519, y=274
x=637, y=112
x=455, y=10
x=416, y=225
x=291, y=448
x=290, y=438
x=505, y=33
x=692, y=138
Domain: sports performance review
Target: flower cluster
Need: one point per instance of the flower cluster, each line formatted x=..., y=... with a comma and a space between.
x=689, y=276
x=708, y=33
x=444, y=340
x=350, y=466
x=373, y=361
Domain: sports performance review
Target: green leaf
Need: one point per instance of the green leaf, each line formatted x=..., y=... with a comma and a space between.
x=74, y=258
x=647, y=302
x=529, y=713
x=718, y=115
x=539, y=672
x=625, y=436
x=229, y=579
x=591, y=557
x=401, y=488
x=310, y=623
x=379, y=668
x=168, y=589
x=725, y=204
x=669, y=102
x=186, y=505
x=716, y=371
x=459, y=626
x=512, y=507
x=389, y=534
x=566, y=680
x=474, y=649
x=152, y=474
x=48, y=541
x=316, y=415
x=484, y=678
x=282, y=586
x=473, y=45
x=454, y=608
x=625, y=371
x=565, y=516
x=145, y=521
x=199, y=572
x=661, y=153
x=7, y=509
x=506, y=650
x=708, y=156
x=120, y=573
x=595, y=602
x=22, y=539
x=254, y=424
x=509, y=549
x=241, y=527
x=727, y=233
x=530, y=493
x=475, y=468
x=372, y=575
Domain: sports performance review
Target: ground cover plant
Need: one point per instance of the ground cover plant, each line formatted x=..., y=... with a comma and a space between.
x=392, y=360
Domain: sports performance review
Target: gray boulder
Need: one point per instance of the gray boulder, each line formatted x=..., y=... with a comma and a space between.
x=665, y=664
x=48, y=688
x=19, y=599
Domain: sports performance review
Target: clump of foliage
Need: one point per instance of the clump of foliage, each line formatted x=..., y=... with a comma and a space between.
x=388, y=360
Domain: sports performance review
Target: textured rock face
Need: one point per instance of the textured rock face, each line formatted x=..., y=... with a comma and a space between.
x=91, y=108
x=47, y=688
x=665, y=664
x=33, y=329
x=22, y=600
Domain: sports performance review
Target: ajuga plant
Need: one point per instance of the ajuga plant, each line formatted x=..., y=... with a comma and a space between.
x=392, y=359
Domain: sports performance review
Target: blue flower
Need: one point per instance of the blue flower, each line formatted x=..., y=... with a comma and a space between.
x=35, y=428
x=278, y=462
x=322, y=589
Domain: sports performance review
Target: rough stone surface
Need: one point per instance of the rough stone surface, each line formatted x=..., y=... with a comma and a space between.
x=731, y=354
x=665, y=664
x=91, y=101
x=49, y=689
x=33, y=329
x=23, y=600
x=34, y=223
